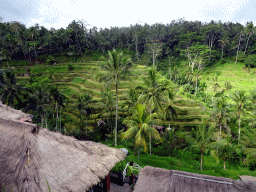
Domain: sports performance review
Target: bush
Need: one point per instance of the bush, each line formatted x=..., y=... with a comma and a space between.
x=250, y=61
x=50, y=60
x=241, y=57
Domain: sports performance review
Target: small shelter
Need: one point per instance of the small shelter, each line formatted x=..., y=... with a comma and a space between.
x=159, y=128
x=157, y=179
x=30, y=155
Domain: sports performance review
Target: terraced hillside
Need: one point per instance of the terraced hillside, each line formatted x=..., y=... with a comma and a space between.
x=83, y=78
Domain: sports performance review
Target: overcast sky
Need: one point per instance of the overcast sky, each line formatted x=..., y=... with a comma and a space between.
x=107, y=13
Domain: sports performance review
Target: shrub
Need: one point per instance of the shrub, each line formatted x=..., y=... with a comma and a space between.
x=250, y=61
x=241, y=57
x=70, y=67
x=50, y=60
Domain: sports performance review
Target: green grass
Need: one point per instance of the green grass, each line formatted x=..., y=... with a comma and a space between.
x=184, y=161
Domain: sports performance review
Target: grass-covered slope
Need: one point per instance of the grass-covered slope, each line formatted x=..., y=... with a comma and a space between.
x=83, y=78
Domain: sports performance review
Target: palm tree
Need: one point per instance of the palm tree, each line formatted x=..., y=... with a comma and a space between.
x=139, y=127
x=240, y=35
x=249, y=141
x=214, y=85
x=196, y=78
x=107, y=104
x=82, y=108
x=240, y=99
x=220, y=112
x=169, y=107
x=202, y=140
x=152, y=92
x=88, y=107
x=38, y=101
x=223, y=149
x=117, y=68
x=168, y=139
x=59, y=99
x=6, y=54
x=131, y=98
x=223, y=43
x=249, y=30
x=9, y=89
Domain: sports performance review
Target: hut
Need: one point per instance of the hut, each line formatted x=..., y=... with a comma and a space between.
x=157, y=179
x=30, y=155
x=158, y=128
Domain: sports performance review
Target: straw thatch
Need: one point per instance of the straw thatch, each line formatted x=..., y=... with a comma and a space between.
x=247, y=178
x=30, y=154
x=7, y=112
x=157, y=179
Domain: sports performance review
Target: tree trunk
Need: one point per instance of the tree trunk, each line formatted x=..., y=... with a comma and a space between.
x=153, y=59
x=60, y=117
x=239, y=128
x=196, y=87
x=86, y=126
x=238, y=49
x=224, y=164
x=139, y=154
x=116, y=113
x=150, y=135
x=201, y=168
x=247, y=44
x=222, y=53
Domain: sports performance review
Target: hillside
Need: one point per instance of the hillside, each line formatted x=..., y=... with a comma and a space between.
x=83, y=78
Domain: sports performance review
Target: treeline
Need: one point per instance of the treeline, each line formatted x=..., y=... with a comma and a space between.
x=220, y=39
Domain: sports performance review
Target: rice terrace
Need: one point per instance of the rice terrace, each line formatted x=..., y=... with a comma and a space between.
x=177, y=101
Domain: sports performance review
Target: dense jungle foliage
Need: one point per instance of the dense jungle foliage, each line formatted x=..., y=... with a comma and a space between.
x=185, y=91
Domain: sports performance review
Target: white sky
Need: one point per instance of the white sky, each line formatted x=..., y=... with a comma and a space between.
x=107, y=13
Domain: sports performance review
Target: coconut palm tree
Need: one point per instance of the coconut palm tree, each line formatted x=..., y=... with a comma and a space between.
x=87, y=97
x=117, y=68
x=131, y=98
x=214, y=85
x=249, y=30
x=196, y=78
x=152, y=93
x=241, y=32
x=168, y=138
x=9, y=89
x=82, y=107
x=59, y=99
x=170, y=109
x=223, y=43
x=240, y=99
x=107, y=104
x=220, y=112
x=249, y=141
x=223, y=149
x=138, y=127
x=203, y=139
x=38, y=101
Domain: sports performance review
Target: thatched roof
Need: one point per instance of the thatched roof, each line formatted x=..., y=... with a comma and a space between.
x=7, y=112
x=247, y=178
x=67, y=163
x=100, y=122
x=157, y=179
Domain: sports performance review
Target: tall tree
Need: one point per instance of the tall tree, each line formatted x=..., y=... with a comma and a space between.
x=203, y=139
x=10, y=89
x=240, y=99
x=249, y=30
x=117, y=68
x=220, y=112
x=223, y=43
x=138, y=127
x=241, y=32
x=151, y=92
